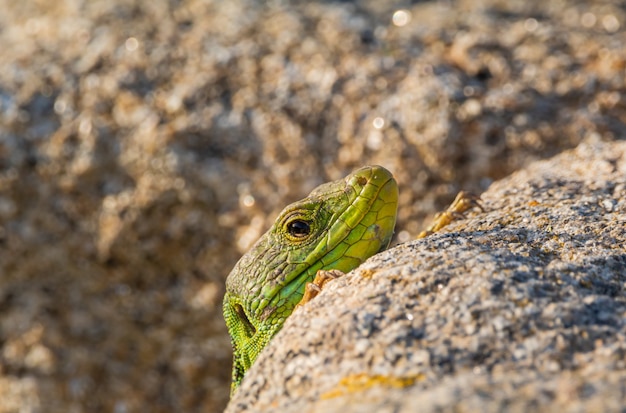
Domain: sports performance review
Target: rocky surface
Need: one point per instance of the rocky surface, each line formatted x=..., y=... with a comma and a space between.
x=145, y=145
x=521, y=308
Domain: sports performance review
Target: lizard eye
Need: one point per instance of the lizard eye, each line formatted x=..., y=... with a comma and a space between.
x=298, y=228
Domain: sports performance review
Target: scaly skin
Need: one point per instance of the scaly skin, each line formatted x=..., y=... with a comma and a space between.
x=338, y=226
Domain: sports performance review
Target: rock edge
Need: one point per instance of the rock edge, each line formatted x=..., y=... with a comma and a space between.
x=520, y=308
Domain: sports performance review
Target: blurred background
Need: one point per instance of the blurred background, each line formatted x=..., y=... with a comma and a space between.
x=144, y=146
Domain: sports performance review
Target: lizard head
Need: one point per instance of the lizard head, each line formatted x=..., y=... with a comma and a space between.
x=338, y=226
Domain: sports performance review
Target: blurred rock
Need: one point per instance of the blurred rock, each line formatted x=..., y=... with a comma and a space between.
x=145, y=145
x=520, y=308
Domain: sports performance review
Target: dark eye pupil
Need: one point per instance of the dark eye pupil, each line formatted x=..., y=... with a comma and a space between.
x=299, y=228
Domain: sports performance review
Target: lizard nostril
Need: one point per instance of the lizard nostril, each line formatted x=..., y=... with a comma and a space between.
x=244, y=319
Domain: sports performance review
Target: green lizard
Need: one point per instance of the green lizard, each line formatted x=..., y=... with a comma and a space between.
x=337, y=227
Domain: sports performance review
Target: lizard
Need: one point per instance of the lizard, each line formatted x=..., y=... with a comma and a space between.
x=333, y=230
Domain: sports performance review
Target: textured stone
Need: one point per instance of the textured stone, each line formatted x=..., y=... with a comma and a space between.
x=145, y=145
x=519, y=308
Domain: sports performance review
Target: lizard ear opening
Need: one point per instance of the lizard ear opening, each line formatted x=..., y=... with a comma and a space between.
x=250, y=330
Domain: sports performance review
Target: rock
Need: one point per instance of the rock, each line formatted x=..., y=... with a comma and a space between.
x=145, y=145
x=519, y=308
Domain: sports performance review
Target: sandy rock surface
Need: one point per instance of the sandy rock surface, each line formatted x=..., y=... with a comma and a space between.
x=145, y=145
x=521, y=308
